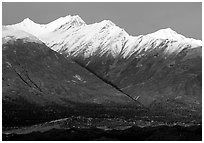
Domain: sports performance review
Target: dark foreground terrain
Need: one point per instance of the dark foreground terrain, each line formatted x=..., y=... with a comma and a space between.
x=162, y=133
x=83, y=128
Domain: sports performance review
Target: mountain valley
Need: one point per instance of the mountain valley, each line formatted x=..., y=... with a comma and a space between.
x=68, y=69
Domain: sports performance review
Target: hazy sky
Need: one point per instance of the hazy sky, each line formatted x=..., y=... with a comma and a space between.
x=136, y=17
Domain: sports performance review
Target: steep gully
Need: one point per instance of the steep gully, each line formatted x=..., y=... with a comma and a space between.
x=111, y=84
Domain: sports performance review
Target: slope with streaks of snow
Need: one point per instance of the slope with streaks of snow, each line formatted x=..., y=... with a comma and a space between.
x=10, y=34
x=70, y=35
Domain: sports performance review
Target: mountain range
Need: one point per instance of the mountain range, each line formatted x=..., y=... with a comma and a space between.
x=67, y=66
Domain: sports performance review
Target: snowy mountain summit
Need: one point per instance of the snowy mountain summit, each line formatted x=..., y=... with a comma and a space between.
x=167, y=33
x=70, y=35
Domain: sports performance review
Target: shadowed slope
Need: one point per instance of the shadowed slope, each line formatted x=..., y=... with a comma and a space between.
x=39, y=83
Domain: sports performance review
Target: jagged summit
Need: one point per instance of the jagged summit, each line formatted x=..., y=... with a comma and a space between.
x=72, y=35
x=67, y=19
x=167, y=33
x=60, y=20
x=27, y=20
x=172, y=35
x=107, y=22
x=76, y=20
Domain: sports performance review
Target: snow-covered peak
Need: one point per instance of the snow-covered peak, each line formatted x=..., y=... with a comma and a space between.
x=27, y=21
x=78, y=19
x=167, y=33
x=33, y=28
x=73, y=36
x=73, y=20
x=172, y=35
x=107, y=22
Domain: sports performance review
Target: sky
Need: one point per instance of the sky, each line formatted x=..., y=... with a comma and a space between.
x=136, y=18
